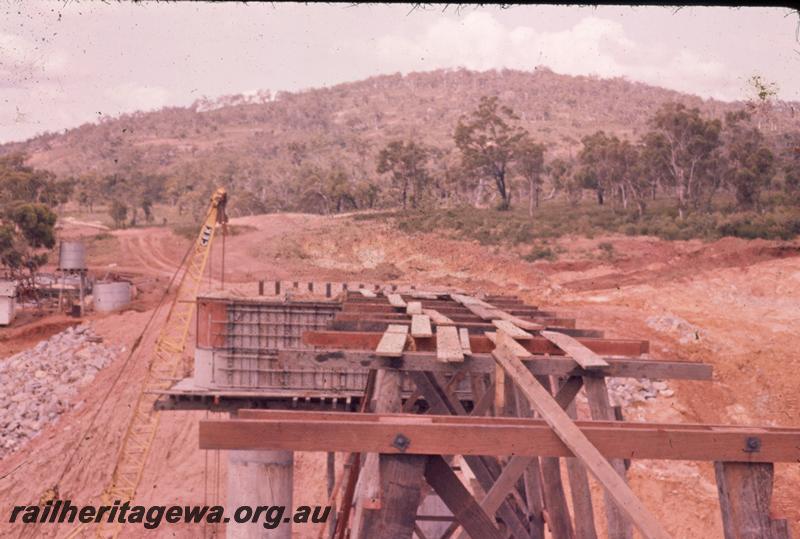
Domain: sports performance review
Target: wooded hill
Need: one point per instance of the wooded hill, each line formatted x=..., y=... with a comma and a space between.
x=268, y=149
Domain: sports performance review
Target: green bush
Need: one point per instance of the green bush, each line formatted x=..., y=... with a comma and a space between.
x=540, y=253
x=556, y=219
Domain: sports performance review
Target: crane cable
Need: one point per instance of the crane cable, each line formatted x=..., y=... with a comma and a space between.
x=53, y=492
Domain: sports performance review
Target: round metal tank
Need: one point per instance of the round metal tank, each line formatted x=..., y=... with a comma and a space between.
x=111, y=296
x=72, y=255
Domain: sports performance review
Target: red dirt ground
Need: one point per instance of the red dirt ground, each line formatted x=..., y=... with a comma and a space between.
x=743, y=295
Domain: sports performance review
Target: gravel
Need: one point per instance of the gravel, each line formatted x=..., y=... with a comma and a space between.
x=37, y=385
x=675, y=325
x=625, y=391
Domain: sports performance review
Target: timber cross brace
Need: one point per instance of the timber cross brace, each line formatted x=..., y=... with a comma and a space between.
x=472, y=402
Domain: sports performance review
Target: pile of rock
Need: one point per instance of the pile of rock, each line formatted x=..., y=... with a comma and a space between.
x=686, y=332
x=624, y=391
x=36, y=385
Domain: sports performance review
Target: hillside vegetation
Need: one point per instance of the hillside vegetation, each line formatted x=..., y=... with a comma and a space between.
x=418, y=140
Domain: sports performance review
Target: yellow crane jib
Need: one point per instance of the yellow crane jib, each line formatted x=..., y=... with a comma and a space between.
x=162, y=370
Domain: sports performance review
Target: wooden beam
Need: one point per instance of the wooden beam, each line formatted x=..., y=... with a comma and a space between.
x=448, y=347
x=498, y=436
x=421, y=326
x=392, y=342
x=463, y=337
x=567, y=392
x=499, y=390
x=516, y=348
x=513, y=330
x=555, y=499
x=485, y=468
x=544, y=403
x=390, y=490
x=483, y=363
x=600, y=408
x=395, y=300
x=359, y=304
x=413, y=307
x=378, y=322
x=501, y=488
x=532, y=479
x=555, y=323
x=580, y=353
x=438, y=318
x=745, y=492
x=487, y=311
x=581, y=495
x=458, y=499
x=480, y=344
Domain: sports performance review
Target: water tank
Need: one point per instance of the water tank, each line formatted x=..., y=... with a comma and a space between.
x=72, y=255
x=111, y=296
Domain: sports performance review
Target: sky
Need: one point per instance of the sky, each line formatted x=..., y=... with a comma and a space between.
x=69, y=62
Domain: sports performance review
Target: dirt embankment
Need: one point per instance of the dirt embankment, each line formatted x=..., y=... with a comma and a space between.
x=731, y=303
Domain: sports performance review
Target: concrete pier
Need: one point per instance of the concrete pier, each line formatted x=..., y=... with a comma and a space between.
x=259, y=478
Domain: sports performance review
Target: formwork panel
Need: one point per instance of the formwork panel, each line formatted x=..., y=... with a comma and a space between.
x=245, y=335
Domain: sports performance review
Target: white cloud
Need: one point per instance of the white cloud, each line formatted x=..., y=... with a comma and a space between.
x=129, y=96
x=592, y=46
x=24, y=64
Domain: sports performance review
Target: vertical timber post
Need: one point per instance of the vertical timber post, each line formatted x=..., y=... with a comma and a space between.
x=395, y=479
x=80, y=293
x=532, y=478
x=745, y=491
x=582, y=509
x=597, y=394
x=555, y=500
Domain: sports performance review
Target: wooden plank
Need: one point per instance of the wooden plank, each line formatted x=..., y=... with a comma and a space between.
x=480, y=344
x=544, y=403
x=581, y=354
x=417, y=294
x=566, y=394
x=502, y=486
x=524, y=324
x=499, y=436
x=378, y=322
x=512, y=329
x=421, y=326
x=438, y=318
x=484, y=468
x=340, y=359
x=367, y=293
x=413, y=307
x=465, y=509
x=463, y=336
x=532, y=478
x=448, y=347
x=555, y=499
x=484, y=313
x=745, y=492
x=600, y=408
x=516, y=348
x=393, y=341
x=582, y=507
x=499, y=390
x=487, y=311
x=396, y=300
